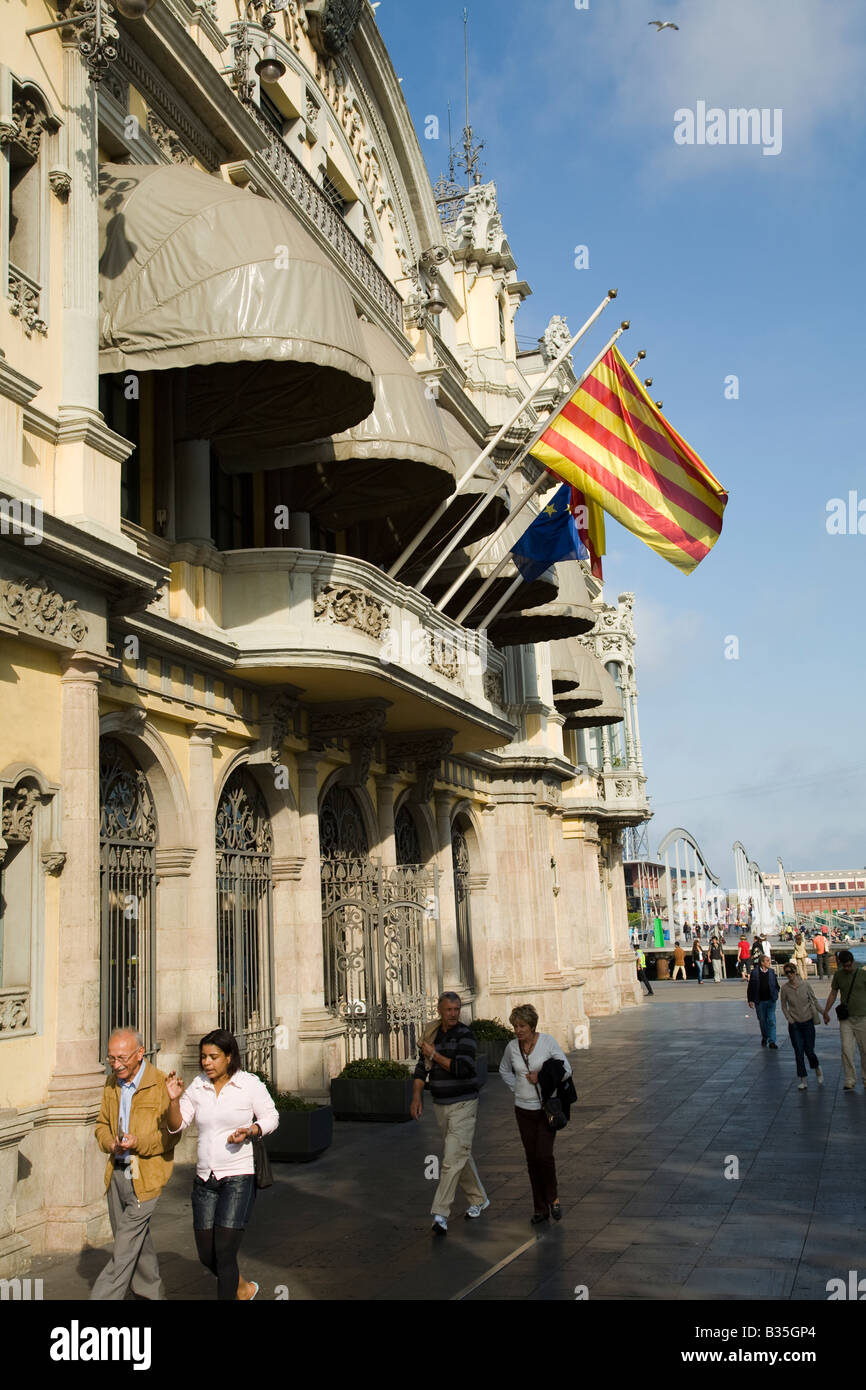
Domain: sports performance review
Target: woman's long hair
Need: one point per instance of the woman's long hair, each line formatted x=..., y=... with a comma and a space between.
x=227, y=1043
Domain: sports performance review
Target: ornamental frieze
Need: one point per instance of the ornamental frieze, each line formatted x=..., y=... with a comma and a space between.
x=332, y=23
x=493, y=686
x=14, y=1012
x=35, y=607
x=19, y=806
x=352, y=607
x=443, y=657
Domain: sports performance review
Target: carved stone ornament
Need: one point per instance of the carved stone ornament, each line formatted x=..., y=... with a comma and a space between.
x=19, y=808
x=25, y=299
x=442, y=656
x=30, y=123
x=624, y=787
x=493, y=686
x=35, y=607
x=332, y=24
x=99, y=50
x=279, y=717
x=479, y=225
x=557, y=335
x=53, y=858
x=352, y=607
x=168, y=140
x=14, y=1012
x=61, y=183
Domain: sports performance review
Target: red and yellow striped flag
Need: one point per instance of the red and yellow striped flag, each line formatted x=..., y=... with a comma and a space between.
x=613, y=443
x=592, y=534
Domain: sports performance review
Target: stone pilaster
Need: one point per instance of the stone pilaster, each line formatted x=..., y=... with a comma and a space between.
x=319, y=1048
x=81, y=237
x=387, y=850
x=198, y=975
x=443, y=802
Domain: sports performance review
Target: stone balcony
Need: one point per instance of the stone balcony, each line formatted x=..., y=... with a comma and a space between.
x=339, y=628
x=615, y=794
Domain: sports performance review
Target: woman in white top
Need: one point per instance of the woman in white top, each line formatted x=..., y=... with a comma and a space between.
x=230, y=1108
x=519, y=1069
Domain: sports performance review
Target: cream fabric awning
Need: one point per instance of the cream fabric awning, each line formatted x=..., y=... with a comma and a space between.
x=390, y=462
x=569, y=615
x=199, y=274
x=609, y=711
x=573, y=670
x=402, y=529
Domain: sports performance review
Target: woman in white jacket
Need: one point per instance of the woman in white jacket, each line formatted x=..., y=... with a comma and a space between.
x=521, y=1064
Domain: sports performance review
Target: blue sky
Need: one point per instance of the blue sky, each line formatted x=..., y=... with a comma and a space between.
x=728, y=262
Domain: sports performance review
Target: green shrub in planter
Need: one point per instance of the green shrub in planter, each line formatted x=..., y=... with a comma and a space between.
x=372, y=1089
x=492, y=1037
x=305, y=1129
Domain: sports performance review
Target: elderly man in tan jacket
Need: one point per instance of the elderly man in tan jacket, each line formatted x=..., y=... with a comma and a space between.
x=133, y=1130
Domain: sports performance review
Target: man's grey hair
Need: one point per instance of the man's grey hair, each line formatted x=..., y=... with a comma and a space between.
x=450, y=995
x=127, y=1033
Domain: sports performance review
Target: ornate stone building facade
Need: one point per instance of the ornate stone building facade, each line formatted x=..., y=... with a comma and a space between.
x=248, y=776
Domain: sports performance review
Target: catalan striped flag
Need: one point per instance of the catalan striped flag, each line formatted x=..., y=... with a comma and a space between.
x=592, y=534
x=614, y=444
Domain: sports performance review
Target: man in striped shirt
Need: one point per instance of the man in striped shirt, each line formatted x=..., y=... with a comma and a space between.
x=446, y=1063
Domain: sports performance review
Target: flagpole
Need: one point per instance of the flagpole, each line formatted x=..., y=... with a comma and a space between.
x=542, y=481
x=486, y=452
x=497, y=609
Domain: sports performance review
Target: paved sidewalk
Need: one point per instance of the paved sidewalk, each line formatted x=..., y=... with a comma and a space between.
x=670, y=1094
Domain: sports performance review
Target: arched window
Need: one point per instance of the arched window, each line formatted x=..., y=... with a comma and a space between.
x=406, y=840
x=461, y=865
x=244, y=845
x=127, y=861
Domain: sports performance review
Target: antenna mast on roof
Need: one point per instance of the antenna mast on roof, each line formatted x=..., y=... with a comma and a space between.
x=471, y=151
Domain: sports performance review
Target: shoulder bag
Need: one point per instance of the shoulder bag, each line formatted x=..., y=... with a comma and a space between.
x=261, y=1162
x=842, y=1009
x=551, y=1109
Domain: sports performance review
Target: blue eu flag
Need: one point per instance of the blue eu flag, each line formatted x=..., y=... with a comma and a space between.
x=552, y=536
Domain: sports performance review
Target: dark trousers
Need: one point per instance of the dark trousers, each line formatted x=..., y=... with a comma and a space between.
x=822, y=962
x=802, y=1037
x=221, y=1209
x=538, y=1139
x=641, y=974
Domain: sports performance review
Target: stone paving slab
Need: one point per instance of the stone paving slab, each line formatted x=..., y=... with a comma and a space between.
x=669, y=1093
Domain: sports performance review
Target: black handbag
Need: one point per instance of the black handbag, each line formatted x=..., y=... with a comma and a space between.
x=552, y=1109
x=261, y=1163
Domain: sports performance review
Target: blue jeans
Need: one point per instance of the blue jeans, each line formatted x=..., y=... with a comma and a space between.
x=699, y=967
x=225, y=1202
x=802, y=1037
x=766, y=1011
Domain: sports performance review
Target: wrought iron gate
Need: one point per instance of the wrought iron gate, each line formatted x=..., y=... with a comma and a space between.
x=381, y=947
x=127, y=873
x=244, y=844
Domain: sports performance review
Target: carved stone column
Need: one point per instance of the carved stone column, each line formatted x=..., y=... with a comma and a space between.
x=319, y=1033
x=447, y=906
x=81, y=236
x=199, y=994
x=387, y=849
x=72, y=1183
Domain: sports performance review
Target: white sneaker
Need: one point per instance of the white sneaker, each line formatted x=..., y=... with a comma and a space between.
x=803, y=1086
x=819, y=1076
x=440, y=1226
x=472, y=1213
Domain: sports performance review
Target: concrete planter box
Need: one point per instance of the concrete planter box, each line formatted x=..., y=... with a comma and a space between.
x=301, y=1136
x=386, y=1099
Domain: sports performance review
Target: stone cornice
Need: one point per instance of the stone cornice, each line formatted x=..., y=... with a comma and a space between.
x=14, y=385
x=74, y=425
x=192, y=643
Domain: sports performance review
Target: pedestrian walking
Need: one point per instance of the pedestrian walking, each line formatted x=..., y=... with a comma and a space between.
x=744, y=956
x=698, y=959
x=717, y=960
x=849, y=982
x=679, y=962
x=529, y=1062
x=802, y=1012
x=133, y=1130
x=762, y=993
x=231, y=1108
x=640, y=960
x=447, y=1065
x=822, y=959
x=800, y=956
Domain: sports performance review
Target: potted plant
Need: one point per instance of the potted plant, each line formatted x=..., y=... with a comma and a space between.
x=492, y=1037
x=372, y=1089
x=305, y=1130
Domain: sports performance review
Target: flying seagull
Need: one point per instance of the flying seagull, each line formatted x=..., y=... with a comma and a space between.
x=662, y=24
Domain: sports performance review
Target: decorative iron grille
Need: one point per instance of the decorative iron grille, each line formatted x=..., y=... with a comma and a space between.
x=461, y=866
x=244, y=845
x=381, y=937
x=127, y=861
x=406, y=838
